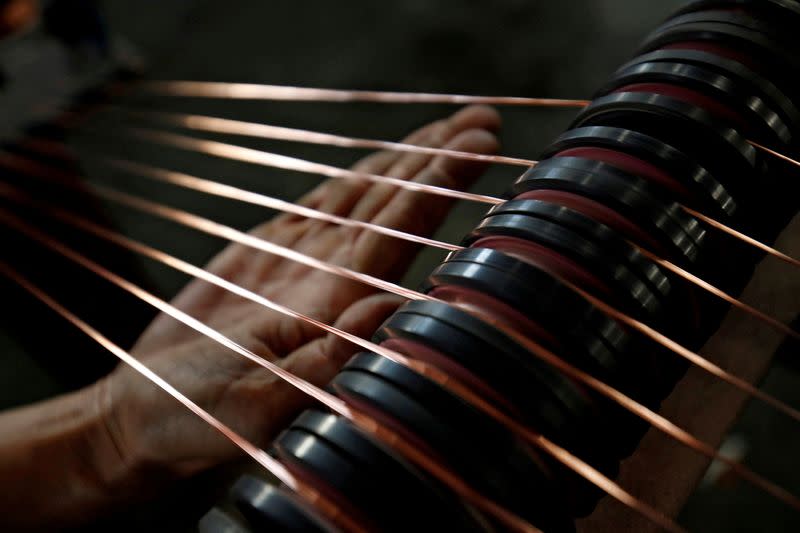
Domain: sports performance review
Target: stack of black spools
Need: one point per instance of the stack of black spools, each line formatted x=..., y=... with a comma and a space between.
x=670, y=129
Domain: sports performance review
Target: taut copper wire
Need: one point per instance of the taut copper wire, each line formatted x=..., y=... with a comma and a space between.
x=227, y=191
x=274, y=160
x=242, y=195
x=56, y=149
x=749, y=309
x=742, y=237
x=252, y=91
x=775, y=153
x=269, y=159
x=455, y=386
x=272, y=465
x=653, y=418
x=434, y=373
x=268, y=131
x=213, y=228
x=208, y=226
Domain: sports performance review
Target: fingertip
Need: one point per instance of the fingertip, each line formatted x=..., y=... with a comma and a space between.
x=364, y=315
x=477, y=117
x=477, y=141
x=361, y=319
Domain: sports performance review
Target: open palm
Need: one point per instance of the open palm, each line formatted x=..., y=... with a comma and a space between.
x=149, y=428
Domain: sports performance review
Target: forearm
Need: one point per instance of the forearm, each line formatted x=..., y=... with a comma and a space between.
x=58, y=466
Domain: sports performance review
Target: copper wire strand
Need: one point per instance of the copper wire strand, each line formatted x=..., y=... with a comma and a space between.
x=53, y=149
x=239, y=153
x=656, y=420
x=775, y=153
x=742, y=237
x=268, y=131
x=229, y=233
x=270, y=464
x=269, y=159
x=56, y=149
x=211, y=227
x=235, y=193
x=666, y=426
x=560, y=454
x=252, y=91
x=683, y=352
x=219, y=189
x=749, y=309
x=220, y=230
x=369, y=425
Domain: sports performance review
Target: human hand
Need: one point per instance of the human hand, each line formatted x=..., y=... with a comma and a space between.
x=148, y=429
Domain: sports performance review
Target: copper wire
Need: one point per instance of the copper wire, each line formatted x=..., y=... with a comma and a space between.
x=269, y=159
x=242, y=93
x=742, y=237
x=775, y=153
x=765, y=484
x=749, y=309
x=212, y=187
x=231, y=234
x=267, y=131
x=220, y=230
x=209, y=226
x=231, y=126
x=656, y=420
x=423, y=368
x=252, y=91
x=213, y=228
x=235, y=193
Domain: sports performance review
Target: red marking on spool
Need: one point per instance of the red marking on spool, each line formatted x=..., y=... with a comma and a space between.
x=596, y=211
x=689, y=96
x=417, y=350
x=628, y=163
x=544, y=258
x=479, y=303
x=388, y=421
x=713, y=48
x=308, y=477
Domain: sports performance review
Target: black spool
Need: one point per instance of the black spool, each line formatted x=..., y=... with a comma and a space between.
x=268, y=508
x=508, y=472
x=369, y=476
x=740, y=73
x=503, y=364
x=732, y=101
x=703, y=190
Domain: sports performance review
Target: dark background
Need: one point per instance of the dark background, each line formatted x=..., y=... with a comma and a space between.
x=508, y=47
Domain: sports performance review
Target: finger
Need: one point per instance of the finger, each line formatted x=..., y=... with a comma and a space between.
x=375, y=163
x=319, y=360
x=274, y=402
x=410, y=164
x=441, y=133
x=338, y=195
x=417, y=212
x=343, y=196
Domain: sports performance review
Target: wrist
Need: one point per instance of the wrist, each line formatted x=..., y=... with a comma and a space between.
x=60, y=464
x=117, y=467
